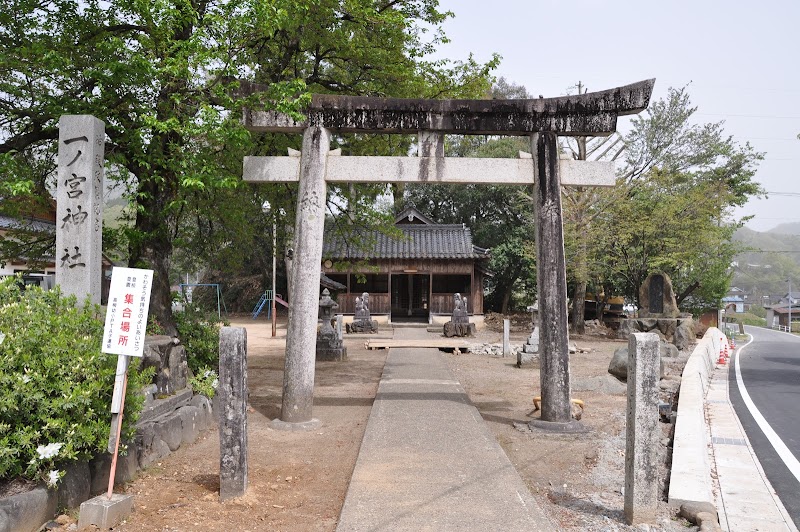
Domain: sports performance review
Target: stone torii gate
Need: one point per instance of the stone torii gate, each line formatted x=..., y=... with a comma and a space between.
x=543, y=119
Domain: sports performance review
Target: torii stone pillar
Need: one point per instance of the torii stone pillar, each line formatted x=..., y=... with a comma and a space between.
x=589, y=114
x=298, y=374
x=551, y=285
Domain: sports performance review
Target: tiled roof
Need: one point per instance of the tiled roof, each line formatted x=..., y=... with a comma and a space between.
x=418, y=242
x=27, y=224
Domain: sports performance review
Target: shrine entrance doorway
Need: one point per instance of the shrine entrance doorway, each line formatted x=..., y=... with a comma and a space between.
x=410, y=298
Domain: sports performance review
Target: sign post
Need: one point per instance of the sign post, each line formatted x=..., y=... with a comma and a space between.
x=124, y=334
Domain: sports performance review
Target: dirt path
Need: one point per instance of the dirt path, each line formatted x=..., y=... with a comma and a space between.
x=298, y=481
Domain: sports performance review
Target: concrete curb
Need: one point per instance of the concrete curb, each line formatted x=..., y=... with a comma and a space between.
x=690, y=479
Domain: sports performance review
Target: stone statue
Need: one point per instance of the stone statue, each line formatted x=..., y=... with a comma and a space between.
x=459, y=324
x=362, y=323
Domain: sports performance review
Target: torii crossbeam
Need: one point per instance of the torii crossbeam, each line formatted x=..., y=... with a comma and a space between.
x=543, y=119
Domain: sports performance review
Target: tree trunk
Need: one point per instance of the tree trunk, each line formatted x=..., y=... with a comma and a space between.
x=578, y=325
x=506, y=299
x=154, y=250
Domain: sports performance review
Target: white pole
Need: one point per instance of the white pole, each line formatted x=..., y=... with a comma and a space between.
x=274, y=267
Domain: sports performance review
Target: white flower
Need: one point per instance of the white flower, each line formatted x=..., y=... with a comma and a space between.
x=215, y=384
x=49, y=450
x=207, y=374
x=53, y=477
x=26, y=379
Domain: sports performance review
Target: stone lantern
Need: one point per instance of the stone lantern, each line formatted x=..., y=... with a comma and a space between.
x=329, y=346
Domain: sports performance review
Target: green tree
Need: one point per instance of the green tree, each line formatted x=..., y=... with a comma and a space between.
x=163, y=76
x=680, y=183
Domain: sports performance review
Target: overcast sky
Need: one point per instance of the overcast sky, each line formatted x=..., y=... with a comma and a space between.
x=740, y=60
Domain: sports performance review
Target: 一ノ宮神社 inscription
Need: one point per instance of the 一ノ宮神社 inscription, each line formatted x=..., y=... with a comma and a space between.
x=79, y=212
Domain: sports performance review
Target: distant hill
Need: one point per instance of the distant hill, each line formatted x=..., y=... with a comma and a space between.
x=772, y=258
x=792, y=228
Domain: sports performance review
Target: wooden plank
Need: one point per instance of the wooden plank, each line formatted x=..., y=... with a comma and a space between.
x=433, y=343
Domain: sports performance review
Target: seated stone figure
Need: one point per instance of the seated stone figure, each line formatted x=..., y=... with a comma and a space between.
x=459, y=324
x=362, y=323
x=362, y=307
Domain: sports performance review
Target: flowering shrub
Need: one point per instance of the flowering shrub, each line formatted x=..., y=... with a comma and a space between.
x=55, y=384
x=205, y=382
x=199, y=333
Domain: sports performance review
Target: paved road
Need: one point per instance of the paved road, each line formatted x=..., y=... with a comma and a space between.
x=765, y=392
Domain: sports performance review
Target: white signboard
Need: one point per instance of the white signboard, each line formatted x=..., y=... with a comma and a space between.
x=126, y=317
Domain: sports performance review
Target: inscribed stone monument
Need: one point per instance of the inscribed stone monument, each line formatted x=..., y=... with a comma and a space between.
x=656, y=297
x=79, y=214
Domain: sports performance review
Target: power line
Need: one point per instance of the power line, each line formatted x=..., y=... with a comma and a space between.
x=750, y=116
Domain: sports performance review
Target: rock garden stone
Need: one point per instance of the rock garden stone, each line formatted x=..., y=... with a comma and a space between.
x=75, y=485
x=618, y=366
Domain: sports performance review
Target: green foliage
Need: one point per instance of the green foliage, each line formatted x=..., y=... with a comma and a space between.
x=674, y=201
x=199, y=333
x=164, y=77
x=758, y=310
x=752, y=319
x=499, y=216
x=55, y=384
x=205, y=381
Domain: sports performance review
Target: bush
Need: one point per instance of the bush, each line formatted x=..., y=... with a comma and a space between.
x=55, y=384
x=199, y=333
x=751, y=319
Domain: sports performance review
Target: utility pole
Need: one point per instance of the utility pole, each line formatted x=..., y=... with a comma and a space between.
x=790, y=305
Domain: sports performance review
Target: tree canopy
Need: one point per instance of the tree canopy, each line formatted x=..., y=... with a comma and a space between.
x=163, y=75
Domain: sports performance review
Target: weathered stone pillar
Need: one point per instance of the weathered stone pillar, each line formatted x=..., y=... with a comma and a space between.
x=551, y=281
x=506, y=338
x=301, y=336
x=79, y=193
x=232, y=392
x=642, y=433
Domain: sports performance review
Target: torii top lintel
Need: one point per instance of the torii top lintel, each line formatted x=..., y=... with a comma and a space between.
x=590, y=114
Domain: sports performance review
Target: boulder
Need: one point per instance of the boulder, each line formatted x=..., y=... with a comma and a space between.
x=618, y=366
x=169, y=359
x=626, y=328
x=684, y=334
x=668, y=350
x=169, y=430
x=647, y=325
x=452, y=329
x=189, y=416
x=75, y=485
x=667, y=327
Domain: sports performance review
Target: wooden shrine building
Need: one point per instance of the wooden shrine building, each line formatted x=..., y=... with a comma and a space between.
x=412, y=277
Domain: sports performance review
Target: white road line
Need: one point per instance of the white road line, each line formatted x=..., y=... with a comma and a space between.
x=792, y=464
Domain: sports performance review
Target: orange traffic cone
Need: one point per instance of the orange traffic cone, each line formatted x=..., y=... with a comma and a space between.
x=721, y=359
x=727, y=355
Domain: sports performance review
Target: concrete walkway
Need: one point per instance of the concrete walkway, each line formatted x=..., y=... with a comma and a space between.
x=745, y=499
x=428, y=461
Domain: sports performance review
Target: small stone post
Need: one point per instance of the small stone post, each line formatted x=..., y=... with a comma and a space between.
x=642, y=433
x=301, y=336
x=339, y=323
x=233, y=416
x=551, y=282
x=79, y=216
x=506, y=341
